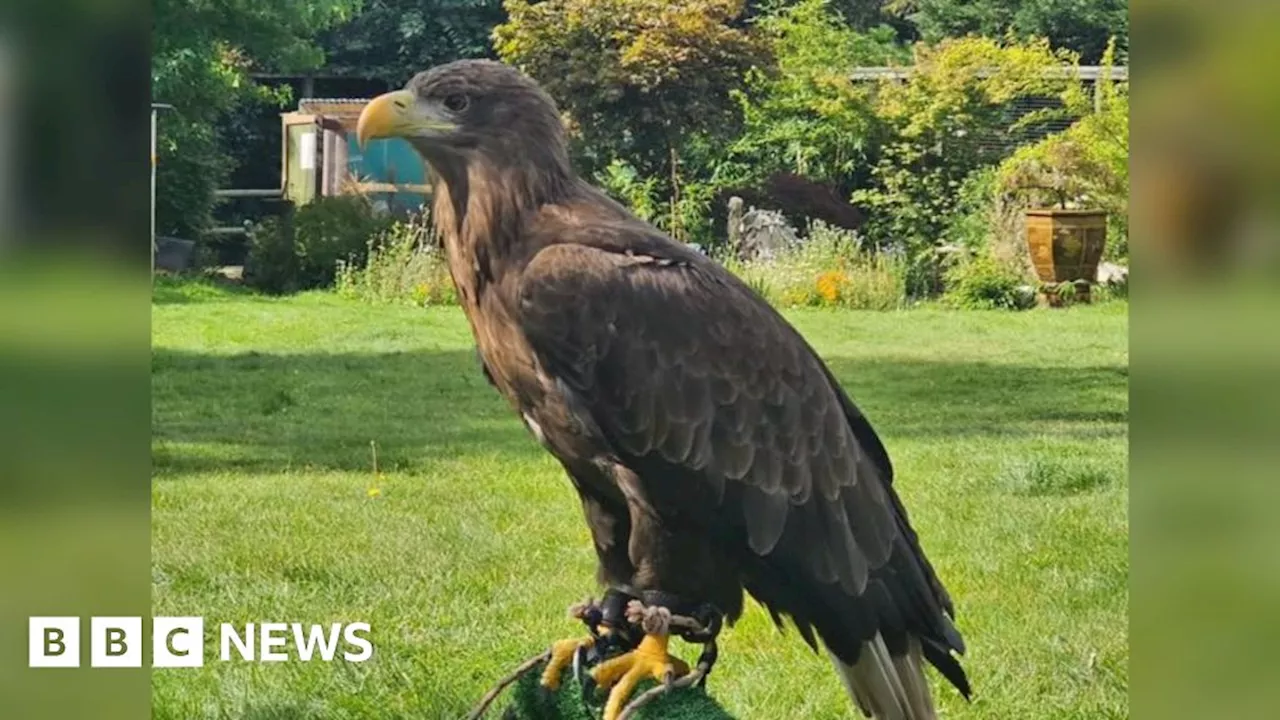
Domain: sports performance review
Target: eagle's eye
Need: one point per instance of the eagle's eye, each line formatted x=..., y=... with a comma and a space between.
x=456, y=103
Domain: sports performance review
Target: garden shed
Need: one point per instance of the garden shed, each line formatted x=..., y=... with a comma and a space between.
x=320, y=157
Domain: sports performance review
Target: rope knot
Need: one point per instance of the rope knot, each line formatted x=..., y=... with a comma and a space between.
x=654, y=619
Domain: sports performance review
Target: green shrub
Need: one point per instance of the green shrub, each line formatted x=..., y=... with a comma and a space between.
x=982, y=282
x=272, y=263
x=621, y=181
x=971, y=227
x=188, y=171
x=300, y=250
x=637, y=79
x=988, y=220
x=949, y=119
x=805, y=116
x=1108, y=292
x=404, y=265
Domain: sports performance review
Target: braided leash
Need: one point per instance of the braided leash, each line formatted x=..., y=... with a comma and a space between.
x=479, y=710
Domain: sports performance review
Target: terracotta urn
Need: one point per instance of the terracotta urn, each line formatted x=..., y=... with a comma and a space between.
x=1066, y=247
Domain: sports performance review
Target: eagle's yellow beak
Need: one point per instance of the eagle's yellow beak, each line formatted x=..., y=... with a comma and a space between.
x=397, y=114
x=387, y=115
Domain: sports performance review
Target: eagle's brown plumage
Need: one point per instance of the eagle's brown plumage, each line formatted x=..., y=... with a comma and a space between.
x=712, y=449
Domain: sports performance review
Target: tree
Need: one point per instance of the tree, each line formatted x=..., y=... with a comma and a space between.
x=865, y=15
x=393, y=39
x=639, y=79
x=1082, y=26
x=950, y=118
x=805, y=116
x=202, y=54
x=859, y=15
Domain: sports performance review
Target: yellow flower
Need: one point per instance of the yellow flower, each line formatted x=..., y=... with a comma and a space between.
x=830, y=284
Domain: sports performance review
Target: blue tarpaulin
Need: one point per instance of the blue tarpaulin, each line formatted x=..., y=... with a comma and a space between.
x=390, y=161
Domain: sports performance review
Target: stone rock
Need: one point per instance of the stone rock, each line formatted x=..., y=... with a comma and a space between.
x=765, y=233
x=1025, y=297
x=1112, y=274
x=174, y=254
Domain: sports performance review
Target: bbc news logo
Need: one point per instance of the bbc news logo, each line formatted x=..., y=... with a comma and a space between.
x=180, y=642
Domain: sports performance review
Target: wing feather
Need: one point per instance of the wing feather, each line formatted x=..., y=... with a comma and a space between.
x=685, y=370
x=772, y=418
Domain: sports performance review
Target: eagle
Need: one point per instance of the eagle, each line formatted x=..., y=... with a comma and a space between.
x=714, y=452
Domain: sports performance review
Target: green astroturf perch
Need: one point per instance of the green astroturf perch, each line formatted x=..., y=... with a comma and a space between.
x=531, y=701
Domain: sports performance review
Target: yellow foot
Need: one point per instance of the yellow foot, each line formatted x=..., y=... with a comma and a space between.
x=562, y=653
x=623, y=673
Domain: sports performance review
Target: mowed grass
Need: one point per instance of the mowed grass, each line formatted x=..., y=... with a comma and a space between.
x=1008, y=432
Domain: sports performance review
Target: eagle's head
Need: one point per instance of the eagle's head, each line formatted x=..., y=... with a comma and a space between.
x=469, y=110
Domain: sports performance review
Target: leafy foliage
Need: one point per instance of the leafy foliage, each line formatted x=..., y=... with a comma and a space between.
x=631, y=70
x=970, y=226
x=805, y=115
x=393, y=39
x=638, y=79
x=803, y=135
x=1086, y=165
x=622, y=182
x=202, y=54
x=1084, y=26
x=301, y=250
x=404, y=266
x=946, y=121
x=961, y=88
x=987, y=219
x=190, y=167
x=673, y=106
x=984, y=283
x=868, y=14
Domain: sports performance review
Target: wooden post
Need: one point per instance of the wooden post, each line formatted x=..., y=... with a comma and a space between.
x=153, y=193
x=336, y=160
x=155, y=108
x=328, y=178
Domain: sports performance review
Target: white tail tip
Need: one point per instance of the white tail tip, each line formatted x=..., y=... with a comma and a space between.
x=886, y=687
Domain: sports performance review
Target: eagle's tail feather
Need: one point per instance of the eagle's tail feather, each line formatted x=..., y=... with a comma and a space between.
x=886, y=687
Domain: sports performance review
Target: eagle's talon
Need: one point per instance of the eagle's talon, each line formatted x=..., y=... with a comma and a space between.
x=621, y=674
x=563, y=652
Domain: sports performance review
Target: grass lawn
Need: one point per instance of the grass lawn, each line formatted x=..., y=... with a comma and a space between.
x=1008, y=431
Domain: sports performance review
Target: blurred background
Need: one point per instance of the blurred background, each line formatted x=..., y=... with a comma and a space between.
x=74, y=408
x=1206, y=352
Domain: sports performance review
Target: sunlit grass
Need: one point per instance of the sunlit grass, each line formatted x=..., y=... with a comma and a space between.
x=1008, y=432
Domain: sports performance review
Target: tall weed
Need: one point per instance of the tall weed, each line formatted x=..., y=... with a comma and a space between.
x=403, y=266
x=829, y=269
